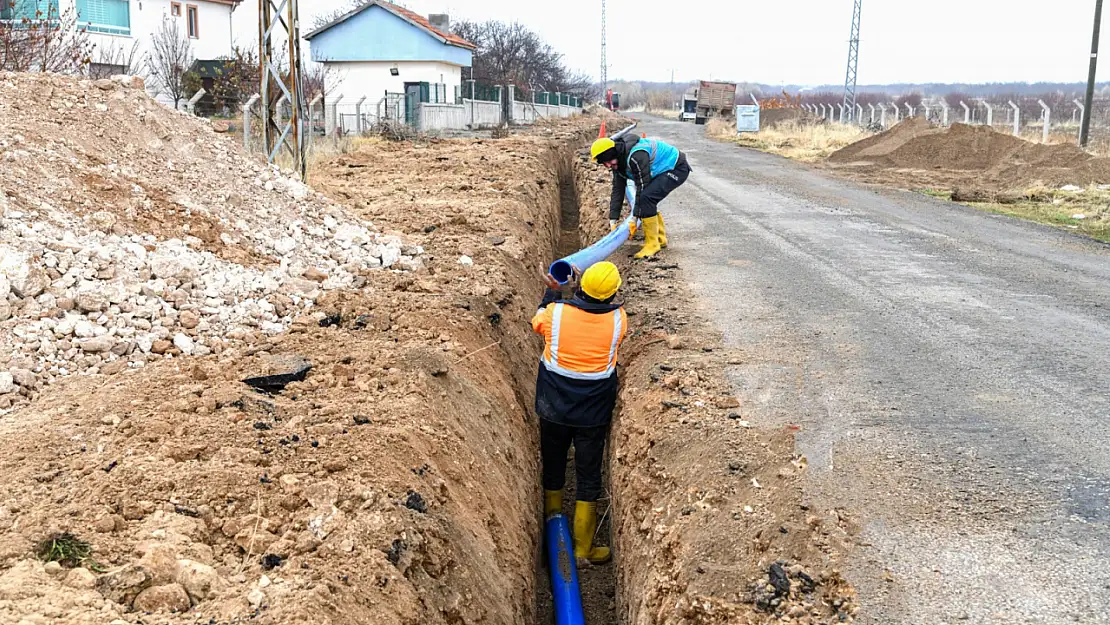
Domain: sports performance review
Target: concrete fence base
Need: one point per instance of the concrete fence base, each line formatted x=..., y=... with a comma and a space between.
x=475, y=114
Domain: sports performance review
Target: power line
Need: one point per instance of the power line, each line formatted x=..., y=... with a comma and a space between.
x=853, y=62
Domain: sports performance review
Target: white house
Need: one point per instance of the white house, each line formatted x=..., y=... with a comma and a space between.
x=122, y=28
x=381, y=47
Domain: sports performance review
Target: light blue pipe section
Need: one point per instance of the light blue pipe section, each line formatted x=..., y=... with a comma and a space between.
x=564, y=574
x=563, y=269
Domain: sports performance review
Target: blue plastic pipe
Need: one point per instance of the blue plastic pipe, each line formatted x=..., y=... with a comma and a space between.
x=564, y=575
x=563, y=268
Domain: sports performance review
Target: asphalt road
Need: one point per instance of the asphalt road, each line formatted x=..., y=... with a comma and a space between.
x=948, y=369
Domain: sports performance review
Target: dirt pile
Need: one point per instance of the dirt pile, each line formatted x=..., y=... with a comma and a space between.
x=130, y=233
x=395, y=484
x=976, y=155
x=878, y=148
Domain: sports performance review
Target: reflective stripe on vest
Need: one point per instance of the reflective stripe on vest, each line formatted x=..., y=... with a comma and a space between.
x=663, y=155
x=551, y=360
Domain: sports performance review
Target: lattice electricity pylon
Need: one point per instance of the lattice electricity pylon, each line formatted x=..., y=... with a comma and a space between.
x=604, y=63
x=280, y=84
x=853, y=62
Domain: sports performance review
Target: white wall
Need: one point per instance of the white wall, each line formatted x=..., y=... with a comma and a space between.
x=441, y=116
x=372, y=79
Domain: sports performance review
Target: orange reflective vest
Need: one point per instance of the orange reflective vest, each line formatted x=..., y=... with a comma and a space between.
x=579, y=344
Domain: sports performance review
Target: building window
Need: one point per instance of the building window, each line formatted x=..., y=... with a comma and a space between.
x=32, y=10
x=112, y=17
x=194, y=20
x=175, y=9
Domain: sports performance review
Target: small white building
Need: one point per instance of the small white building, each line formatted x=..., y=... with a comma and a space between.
x=122, y=30
x=382, y=48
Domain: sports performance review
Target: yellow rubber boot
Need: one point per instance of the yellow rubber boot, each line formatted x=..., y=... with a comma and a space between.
x=552, y=502
x=651, y=237
x=585, y=525
x=662, y=232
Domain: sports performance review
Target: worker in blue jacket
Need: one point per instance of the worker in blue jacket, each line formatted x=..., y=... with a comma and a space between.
x=656, y=168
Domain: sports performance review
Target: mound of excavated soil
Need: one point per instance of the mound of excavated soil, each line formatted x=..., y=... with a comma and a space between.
x=997, y=160
x=130, y=233
x=877, y=148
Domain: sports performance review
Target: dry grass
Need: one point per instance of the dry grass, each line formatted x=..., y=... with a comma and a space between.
x=664, y=113
x=1086, y=211
x=793, y=139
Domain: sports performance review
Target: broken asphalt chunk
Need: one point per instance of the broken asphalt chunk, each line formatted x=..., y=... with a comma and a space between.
x=289, y=371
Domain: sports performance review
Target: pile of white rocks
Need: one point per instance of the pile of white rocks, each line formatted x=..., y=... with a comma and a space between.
x=99, y=302
x=131, y=232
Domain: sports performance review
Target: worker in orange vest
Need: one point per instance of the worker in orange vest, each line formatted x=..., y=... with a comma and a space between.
x=576, y=392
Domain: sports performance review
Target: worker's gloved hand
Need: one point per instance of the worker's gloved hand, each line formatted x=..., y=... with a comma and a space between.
x=632, y=225
x=612, y=225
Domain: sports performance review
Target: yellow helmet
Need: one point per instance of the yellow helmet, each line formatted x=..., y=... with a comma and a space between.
x=601, y=146
x=601, y=280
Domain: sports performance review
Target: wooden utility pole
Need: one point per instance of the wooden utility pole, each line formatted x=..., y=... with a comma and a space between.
x=1085, y=128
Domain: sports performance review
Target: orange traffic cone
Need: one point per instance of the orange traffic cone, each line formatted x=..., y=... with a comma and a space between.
x=601, y=135
x=643, y=135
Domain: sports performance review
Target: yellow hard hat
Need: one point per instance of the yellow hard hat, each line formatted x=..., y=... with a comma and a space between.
x=601, y=146
x=601, y=280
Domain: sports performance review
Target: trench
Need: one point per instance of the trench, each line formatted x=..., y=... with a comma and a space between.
x=597, y=583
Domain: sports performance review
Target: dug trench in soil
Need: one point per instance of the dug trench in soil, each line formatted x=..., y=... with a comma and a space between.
x=709, y=523
x=398, y=483
x=597, y=583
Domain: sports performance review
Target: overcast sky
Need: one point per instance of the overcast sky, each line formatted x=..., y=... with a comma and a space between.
x=793, y=41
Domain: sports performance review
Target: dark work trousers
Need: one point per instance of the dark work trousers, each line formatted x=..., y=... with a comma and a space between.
x=589, y=450
x=647, y=205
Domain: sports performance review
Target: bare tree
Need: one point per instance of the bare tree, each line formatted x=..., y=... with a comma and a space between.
x=36, y=37
x=513, y=54
x=169, y=61
x=324, y=19
x=117, y=59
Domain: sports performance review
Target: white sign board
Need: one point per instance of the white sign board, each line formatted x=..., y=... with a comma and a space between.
x=747, y=118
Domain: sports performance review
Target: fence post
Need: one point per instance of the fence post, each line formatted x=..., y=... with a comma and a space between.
x=944, y=112
x=967, y=112
x=1047, y=120
x=192, y=104
x=859, y=118
x=910, y=109
x=1080, y=108
x=512, y=101
x=331, y=116
x=311, y=132
x=247, y=121
x=871, y=120
x=882, y=115
x=1017, y=118
x=925, y=109
x=897, y=112
x=472, y=98
x=500, y=105
x=358, y=115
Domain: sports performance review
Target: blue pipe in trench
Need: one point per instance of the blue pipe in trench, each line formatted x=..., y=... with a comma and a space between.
x=564, y=574
x=562, y=269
